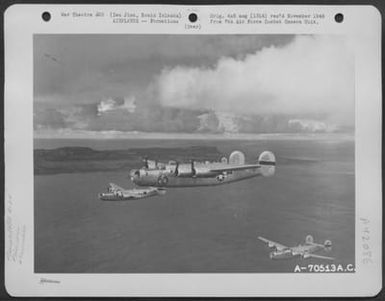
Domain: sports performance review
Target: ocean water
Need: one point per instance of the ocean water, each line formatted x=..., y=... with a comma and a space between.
x=201, y=229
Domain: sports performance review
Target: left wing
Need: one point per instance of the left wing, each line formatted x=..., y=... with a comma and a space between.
x=230, y=167
x=318, y=256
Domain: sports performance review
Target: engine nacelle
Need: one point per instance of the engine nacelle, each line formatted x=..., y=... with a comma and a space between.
x=151, y=164
x=184, y=170
x=281, y=254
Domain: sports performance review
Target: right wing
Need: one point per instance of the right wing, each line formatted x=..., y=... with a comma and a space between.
x=271, y=243
x=114, y=188
x=230, y=167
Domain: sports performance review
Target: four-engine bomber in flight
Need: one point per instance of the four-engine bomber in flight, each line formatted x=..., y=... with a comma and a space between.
x=116, y=193
x=175, y=174
x=303, y=251
x=158, y=175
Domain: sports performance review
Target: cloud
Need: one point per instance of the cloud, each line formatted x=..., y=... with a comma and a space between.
x=105, y=106
x=313, y=126
x=128, y=104
x=89, y=66
x=60, y=117
x=229, y=84
x=48, y=118
x=310, y=75
x=219, y=122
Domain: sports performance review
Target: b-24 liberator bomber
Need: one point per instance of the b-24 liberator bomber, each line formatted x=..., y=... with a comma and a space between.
x=304, y=251
x=175, y=174
x=116, y=193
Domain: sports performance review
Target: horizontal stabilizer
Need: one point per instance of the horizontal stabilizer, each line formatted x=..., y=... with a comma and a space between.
x=267, y=162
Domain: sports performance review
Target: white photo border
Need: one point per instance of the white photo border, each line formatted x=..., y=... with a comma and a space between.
x=362, y=26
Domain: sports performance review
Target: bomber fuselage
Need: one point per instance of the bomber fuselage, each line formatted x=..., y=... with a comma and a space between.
x=300, y=250
x=175, y=174
x=126, y=195
x=185, y=178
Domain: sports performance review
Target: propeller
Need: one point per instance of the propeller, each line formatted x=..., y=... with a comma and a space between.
x=193, y=171
x=145, y=161
x=176, y=168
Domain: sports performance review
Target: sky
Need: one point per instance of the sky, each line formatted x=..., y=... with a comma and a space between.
x=193, y=83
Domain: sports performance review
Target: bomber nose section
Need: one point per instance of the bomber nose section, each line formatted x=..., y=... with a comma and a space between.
x=103, y=196
x=134, y=175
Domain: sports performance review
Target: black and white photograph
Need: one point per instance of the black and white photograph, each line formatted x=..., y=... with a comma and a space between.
x=193, y=153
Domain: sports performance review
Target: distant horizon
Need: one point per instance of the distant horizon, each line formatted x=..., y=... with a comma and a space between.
x=106, y=135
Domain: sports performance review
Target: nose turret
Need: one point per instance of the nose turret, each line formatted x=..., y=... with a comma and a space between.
x=134, y=175
x=108, y=196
